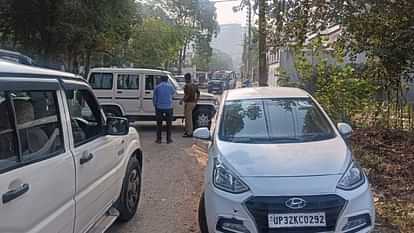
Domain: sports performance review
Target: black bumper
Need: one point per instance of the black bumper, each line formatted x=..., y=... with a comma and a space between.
x=260, y=207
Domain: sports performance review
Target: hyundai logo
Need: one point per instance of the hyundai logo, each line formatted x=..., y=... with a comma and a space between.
x=295, y=203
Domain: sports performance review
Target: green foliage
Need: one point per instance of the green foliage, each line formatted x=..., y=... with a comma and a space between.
x=154, y=43
x=341, y=89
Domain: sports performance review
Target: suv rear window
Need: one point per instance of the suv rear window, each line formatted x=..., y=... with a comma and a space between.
x=30, y=128
x=101, y=81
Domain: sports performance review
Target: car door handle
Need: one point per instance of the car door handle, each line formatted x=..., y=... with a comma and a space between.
x=15, y=193
x=148, y=92
x=119, y=92
x=86, y=158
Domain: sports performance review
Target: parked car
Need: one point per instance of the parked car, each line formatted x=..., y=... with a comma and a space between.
x=221, y=81
x=277, y=163
x=202, y=79
x=129, y=92
x=64, y=166
x=15, y=57
x=180, y=80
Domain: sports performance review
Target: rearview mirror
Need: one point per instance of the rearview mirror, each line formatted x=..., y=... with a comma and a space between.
x=117, y=126
x=202, y=133
x=345, y=130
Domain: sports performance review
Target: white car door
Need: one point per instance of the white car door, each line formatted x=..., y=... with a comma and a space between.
x=37, y=173
x=127, y=93
x=98, y=156
x=150, y=82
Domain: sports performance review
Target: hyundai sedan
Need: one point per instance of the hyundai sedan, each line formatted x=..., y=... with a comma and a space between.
x=277, y=163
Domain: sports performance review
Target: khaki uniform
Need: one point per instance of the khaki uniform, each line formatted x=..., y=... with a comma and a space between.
x=191, y=95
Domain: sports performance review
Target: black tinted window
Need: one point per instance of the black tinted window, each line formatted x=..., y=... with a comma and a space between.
x=38, y=122
x=274, y=120
x=128, y=82
x=85, y=116
x=101, y=80
x=8, y=144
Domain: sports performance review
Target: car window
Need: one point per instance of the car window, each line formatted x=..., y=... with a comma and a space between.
x=128, y=82
x=103, y=81
x=274, y=120
x=86, y=119
x=151, y=81
x=244, y=119
x=8, y=143
x=38, y=122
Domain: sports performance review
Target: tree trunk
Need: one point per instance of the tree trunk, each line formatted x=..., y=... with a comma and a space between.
x=180, y=61
x=262, y=44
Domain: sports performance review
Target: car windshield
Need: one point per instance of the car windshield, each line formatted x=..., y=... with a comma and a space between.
x=274, y=121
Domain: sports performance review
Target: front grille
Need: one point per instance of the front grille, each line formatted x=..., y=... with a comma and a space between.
x=260, y=207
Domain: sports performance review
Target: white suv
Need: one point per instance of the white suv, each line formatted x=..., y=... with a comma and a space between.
x=64, y=166
x=129, y=92
x=278, y=164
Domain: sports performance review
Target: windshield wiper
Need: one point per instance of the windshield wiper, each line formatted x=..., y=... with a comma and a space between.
x=285, y=139
x=312, y=137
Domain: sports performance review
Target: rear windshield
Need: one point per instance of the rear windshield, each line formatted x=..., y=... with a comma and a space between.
x=274, y=121
x=103, y=81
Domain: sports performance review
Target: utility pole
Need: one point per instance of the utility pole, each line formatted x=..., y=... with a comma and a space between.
x=263, y=76
x=249, y=38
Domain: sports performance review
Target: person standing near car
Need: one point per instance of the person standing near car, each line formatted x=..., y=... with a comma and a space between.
x=191, y=96
x=163, y=104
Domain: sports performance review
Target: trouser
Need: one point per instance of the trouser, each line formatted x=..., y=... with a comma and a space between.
x=188, y=114
x=164, y=115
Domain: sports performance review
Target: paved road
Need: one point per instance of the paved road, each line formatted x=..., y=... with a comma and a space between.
x=172, y=183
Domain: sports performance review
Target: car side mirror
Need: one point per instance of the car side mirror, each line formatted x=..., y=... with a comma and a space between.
x=345, y=130
x=117, y=126
x=202, y=133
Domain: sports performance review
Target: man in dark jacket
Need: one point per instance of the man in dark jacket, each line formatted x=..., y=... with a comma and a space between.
x=163, y=104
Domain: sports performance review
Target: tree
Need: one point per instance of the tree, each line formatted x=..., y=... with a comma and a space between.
x=154, y=43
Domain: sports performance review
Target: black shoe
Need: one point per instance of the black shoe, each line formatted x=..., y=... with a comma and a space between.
x=169, y=141
x=158, y=141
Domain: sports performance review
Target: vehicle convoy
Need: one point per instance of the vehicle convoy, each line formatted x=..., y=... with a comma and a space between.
x=277, y=163
x=129, y=92
x=64, y=166
x=221, y=81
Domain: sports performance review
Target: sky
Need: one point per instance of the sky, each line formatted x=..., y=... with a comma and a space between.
x=226, y=15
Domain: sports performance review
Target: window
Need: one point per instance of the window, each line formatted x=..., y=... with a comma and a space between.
x=274, y=121
x=128, y=82
x=85, y=116
x=151, y=81
x=30, y=127
x=101, y=81
x=38, y=122
x=8, y=143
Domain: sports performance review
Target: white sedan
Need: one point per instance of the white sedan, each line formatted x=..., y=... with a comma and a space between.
x=277, y=163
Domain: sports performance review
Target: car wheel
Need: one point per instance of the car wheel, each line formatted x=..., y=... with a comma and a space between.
x=202, y=118
x=202, y=221
x=131, y=191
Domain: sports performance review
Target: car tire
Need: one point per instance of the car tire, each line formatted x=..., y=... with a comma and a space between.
x=201, y=118
x=128, y=201
x=202, y=220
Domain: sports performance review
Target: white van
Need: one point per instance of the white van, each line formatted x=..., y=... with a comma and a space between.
x=128, y=92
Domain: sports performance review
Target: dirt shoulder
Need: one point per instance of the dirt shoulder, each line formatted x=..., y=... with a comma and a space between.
x=172, y=184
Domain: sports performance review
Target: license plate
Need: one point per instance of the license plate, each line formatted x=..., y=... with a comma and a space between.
x=297, y=220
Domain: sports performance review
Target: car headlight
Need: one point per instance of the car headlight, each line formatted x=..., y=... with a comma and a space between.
x=352, y=178
x=226, y=180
